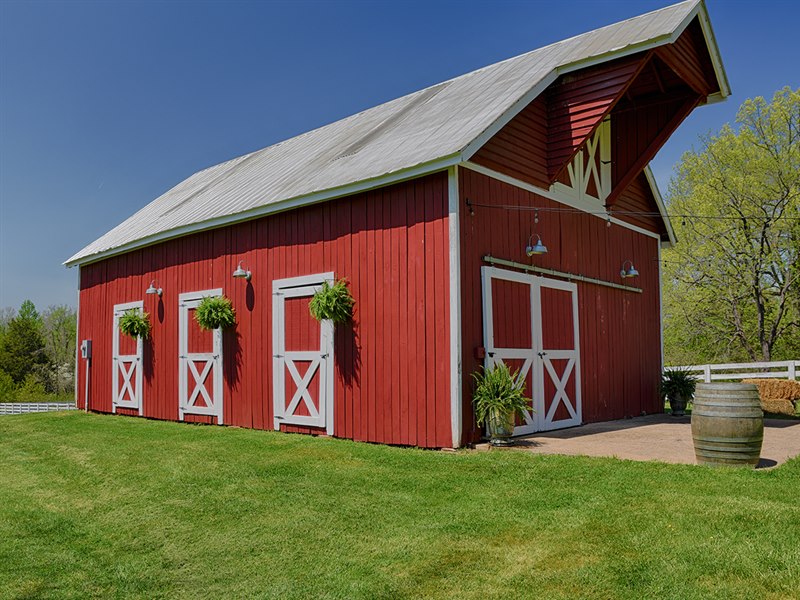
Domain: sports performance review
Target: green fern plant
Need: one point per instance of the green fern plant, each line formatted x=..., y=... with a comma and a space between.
x=498, y=394
x=214, y=313
x=332, y=302
x=135, y=323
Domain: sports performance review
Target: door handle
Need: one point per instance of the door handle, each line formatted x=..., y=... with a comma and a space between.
x=542, y=354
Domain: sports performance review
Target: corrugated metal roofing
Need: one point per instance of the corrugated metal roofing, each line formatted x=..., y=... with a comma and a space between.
x=434, y=123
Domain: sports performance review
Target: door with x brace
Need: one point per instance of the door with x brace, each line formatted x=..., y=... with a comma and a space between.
x=199, y=362
x=530, y=323
x=127, y=364
x=302, y=355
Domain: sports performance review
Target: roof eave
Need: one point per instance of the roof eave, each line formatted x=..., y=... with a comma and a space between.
x=662, y=208
x=355, y=187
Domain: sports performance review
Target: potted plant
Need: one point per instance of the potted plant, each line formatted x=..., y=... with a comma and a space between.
x=332, y=302
x=677, y=386
x=135, y=323
x=215, y=312
x=498, y=399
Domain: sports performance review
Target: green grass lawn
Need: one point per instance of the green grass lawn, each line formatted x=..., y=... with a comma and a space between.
x=116, y=507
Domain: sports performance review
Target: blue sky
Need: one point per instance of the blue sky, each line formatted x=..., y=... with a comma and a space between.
x=106, y=105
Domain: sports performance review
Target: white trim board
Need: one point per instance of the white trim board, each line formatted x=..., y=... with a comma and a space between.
x=662, y=208
x=454, y=205
x=571, y=202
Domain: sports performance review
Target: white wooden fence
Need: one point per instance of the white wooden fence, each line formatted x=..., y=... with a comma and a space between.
x=787, y=369
x=19, y=408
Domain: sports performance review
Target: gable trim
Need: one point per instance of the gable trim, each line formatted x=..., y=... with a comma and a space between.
x=662, y=208
x=699, y=11
x=571, y=202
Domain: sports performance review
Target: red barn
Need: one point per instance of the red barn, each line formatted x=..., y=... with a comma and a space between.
x=434, y=207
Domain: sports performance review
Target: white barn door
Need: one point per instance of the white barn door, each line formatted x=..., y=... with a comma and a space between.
x=199, y=361
x=126, y=369
x=302, y=355
x=530, y=323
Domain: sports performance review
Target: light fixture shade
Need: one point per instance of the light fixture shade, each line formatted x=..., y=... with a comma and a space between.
x=153, y=289
x=241, y=273
x=537, y=248
x=629, y=272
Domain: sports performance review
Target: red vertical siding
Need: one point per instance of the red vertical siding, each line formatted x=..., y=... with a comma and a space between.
x=620, y=337
x=520, y=148
x=638, y=198
x=391, y=367
x=577, y=103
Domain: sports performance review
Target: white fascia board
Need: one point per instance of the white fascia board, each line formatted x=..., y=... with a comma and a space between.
x=571, y=202
x=713, y=50
x=454, y=206
x=651, y=180
x=275, y=207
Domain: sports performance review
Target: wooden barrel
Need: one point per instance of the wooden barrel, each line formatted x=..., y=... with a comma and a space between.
x=727, y=424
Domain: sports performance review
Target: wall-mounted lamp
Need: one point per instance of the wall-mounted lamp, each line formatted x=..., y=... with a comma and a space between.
x=538, y=248
x=240, y=273
x=630, y=271
x=153, y=289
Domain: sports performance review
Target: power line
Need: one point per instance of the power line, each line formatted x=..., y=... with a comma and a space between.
x=632, y=213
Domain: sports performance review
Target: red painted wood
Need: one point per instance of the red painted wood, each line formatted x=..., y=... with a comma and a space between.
x=638, y=198
x=577, y=103
x=619, y=331
x=391, y=373
x=689, y=57
x=520, y=148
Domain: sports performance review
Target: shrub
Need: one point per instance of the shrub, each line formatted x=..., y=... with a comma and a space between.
x=332, y=302
x=498, y=392
x=214, y=313
x=677, y=383
x=135, y=323
x=8, y=390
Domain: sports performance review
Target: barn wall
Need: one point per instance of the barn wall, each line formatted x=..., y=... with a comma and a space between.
x=392, y=365
x=638, y=198
x=619, y=331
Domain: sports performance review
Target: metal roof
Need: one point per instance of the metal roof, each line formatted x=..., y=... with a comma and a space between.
x=421, y=132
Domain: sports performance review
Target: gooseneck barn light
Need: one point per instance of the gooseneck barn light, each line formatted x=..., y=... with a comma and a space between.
x=153, y=289
x=629, y=272
x=241, y=273
x=538, y=248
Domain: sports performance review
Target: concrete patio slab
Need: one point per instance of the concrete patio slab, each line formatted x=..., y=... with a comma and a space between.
x=654, y=437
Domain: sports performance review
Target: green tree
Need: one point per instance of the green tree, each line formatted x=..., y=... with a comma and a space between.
x=731, y=283
x=59, y=327
x=22, y=348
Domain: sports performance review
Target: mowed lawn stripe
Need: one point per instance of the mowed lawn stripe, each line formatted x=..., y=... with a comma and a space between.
x=106, y=506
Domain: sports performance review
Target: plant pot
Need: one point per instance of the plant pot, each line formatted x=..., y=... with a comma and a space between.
x=678, y=405
x=501, y=428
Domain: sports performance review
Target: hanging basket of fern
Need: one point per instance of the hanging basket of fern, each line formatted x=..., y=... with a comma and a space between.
x=215, y=313
x=135, y=323
x=332, y=302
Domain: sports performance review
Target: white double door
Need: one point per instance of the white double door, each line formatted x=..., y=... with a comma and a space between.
x=530, y=323
x=199, y=361
x=302, y=355
x=126, y=368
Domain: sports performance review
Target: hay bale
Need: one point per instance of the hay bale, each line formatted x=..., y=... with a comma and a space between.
x=776, y=389
x=777, y=406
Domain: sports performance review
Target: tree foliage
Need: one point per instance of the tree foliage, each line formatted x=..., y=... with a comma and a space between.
x=732, y=283
x=22, y=347
x=37, y=352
